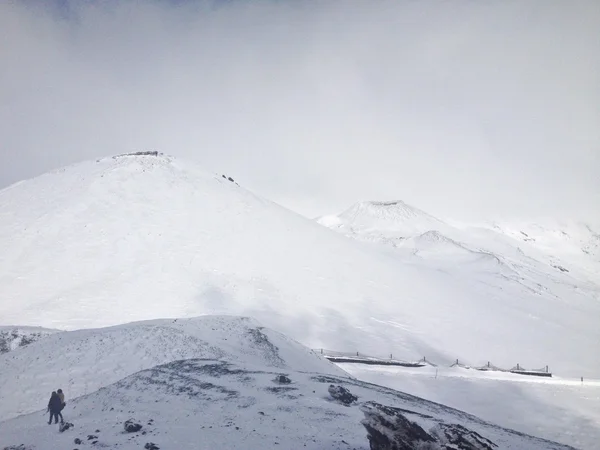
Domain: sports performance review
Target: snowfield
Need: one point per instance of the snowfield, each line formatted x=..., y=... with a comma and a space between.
x=139, y=237
x=225, y=393
x=148, y=239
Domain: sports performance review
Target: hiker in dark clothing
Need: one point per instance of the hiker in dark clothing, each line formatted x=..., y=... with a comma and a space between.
x=62, y=404
x=54, y=406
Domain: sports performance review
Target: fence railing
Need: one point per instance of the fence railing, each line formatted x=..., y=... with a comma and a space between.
x=362, y=358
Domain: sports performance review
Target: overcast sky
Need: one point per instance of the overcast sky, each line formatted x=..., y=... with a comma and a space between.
x=466, y=109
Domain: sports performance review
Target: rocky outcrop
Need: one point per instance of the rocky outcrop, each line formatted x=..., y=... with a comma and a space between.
x=342, y=395
x=389, y=429
x=458, y=437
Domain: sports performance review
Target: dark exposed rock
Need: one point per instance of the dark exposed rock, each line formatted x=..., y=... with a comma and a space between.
x=17, y=447
x=132, y=427
x=91, y=437
x=342, y=395
x=78, y=441
x=282, y=379
x=151, y=446
x=388, y=429
x=65, y=426
x=457, y=436
x=142, y=153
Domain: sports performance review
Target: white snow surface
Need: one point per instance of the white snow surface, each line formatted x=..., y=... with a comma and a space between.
x=200, y=383
x=141, y=237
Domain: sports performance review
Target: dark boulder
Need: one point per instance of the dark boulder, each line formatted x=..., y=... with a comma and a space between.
x=78, y=441
x=132, y=427
x=342, y=395
x=65, y=426
x=151, y=446
x=282, y=379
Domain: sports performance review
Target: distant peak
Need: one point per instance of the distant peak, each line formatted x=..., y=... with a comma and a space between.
x=389, y=210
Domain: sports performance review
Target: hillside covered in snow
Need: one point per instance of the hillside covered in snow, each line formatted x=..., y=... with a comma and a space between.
x=137, y=237
x=12, y=338
x=216, y=382
x=141, y=237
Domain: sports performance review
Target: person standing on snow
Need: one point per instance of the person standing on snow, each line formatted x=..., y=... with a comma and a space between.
x=62, y=404
x=54, y=407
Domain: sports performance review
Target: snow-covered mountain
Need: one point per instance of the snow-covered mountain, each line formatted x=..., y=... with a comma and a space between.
x=137, y=237
x=217, y=382
x=389, y=222
x=553, y=267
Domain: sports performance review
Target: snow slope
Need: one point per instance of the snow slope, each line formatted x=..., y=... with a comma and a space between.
x=12, y=338
x=138, y=237
x=544, y=274
x=81, y=362
x=224, y=394
x=562, y=410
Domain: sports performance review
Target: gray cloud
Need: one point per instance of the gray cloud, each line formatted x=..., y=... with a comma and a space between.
x=464, y=109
